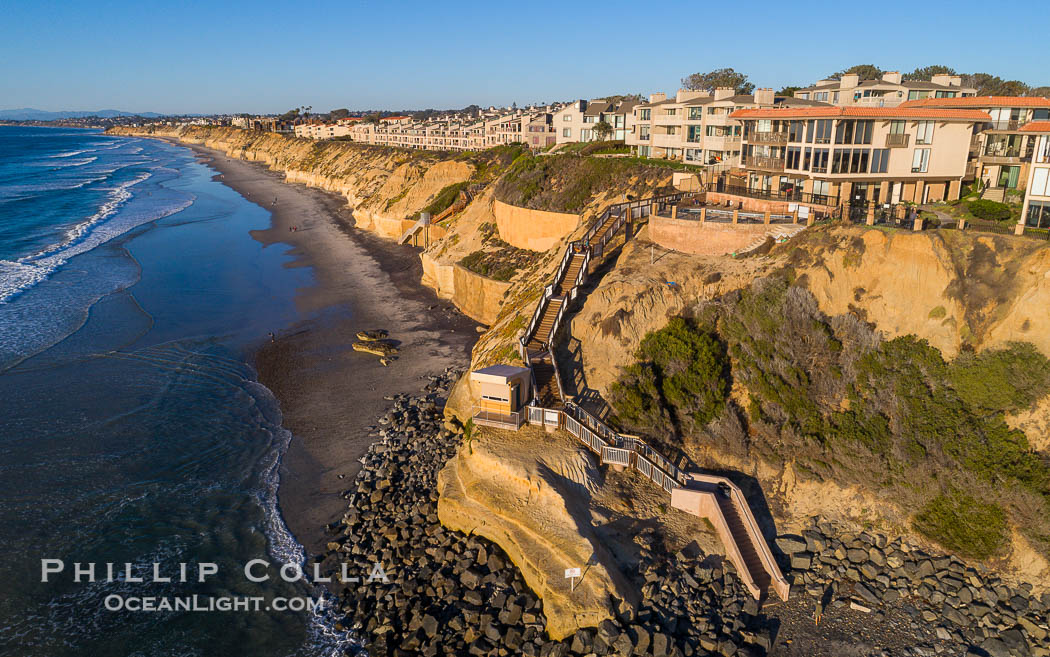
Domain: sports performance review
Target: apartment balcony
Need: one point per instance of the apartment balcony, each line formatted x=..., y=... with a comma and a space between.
x=897, y=140
x=763, y=162
x=1002, y=156
x=668, y=141
x=1006, y=126
x=756, y=137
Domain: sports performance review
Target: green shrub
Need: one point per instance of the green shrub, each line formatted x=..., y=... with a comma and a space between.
x=1006, y=379
x=989, y=210
x=681, y=380
x=445, y=198
x=964, y=524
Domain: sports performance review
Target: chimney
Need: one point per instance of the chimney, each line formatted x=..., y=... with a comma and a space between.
x=684, y=95
x=724, y=92
x=893, y=77
x=764, y=96
x=849, y=81
x=947, y=80
x=657, y=97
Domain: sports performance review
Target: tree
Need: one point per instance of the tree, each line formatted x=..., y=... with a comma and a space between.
x=992, y=85
x=290, y=115
x=602, y=130
x=722, y=77
x=865, y=71
x=926, y=73
x=1039, y=91
x=339, y=113
x=788, y=91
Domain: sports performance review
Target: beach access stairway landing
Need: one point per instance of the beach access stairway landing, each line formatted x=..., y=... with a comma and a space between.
x=707, y=496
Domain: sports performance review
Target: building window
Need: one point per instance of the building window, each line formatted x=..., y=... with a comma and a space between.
x=643, y=132
x=1042, y=153
x=794, y=155
x=696, y=113
x=820, y=160
x=566, y=132
x=643, y=151
x=806, y=159
x=566, y=118
x=880, y=159
x=671, y=111
x=1040, y=185
x=924, y=133
x=853, y=132
x=693, y=133
x=898, y=127
x=644, y=114
x=589, y=119
x=819, y=131
x=795, y=131
x=920, y=160
x=1038, y=214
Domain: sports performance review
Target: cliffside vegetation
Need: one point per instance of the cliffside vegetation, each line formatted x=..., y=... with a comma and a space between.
x=842, y=404
x=567, y=183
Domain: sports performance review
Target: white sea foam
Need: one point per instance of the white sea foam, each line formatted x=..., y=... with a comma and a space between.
x=65, y=163
x=20, y=275
x=70, y=153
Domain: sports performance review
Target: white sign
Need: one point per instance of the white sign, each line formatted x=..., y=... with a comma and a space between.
x=572, y=572
x=803, y=212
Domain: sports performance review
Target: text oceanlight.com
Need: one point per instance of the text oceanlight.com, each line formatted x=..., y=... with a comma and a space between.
x=117, y=602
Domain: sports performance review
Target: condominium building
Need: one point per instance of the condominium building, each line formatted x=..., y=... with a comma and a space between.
x=576, y=122
x=1036, y=210
x=1001, y=150
x=534, y=128
x=696, y=126
x=889, y=91
x=322, y=130
x=858, y=155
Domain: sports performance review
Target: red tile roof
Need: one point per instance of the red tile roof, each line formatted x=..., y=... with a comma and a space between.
x=1036, y=126
x=980, y=101
x=862, y=112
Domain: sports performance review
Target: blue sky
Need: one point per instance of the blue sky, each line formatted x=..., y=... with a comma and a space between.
x=267, y=56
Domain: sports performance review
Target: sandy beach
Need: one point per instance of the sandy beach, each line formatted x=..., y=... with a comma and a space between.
x=330, y=395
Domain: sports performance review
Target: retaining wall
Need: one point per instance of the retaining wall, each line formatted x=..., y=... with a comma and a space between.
x=536, y=230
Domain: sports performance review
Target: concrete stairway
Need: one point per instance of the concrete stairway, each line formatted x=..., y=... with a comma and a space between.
x=752, y=562
x=723, y=503
x=997, y=194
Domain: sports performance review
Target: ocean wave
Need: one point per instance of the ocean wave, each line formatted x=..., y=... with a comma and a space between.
x=325, y=639
x=20, y=275
x=69, y=154
x=64, y=163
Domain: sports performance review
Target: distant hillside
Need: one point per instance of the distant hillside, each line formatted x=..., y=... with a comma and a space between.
x=30, y=114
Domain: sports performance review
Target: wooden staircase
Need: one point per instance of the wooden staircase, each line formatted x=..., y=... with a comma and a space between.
x=568, y=281
x=546, y=392
x=604, y=228
x=542, y=336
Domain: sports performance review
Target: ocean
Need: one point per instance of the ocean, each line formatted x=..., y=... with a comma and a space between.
x=132, y=426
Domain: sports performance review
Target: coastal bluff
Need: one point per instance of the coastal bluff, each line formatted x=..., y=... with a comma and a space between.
x=385, y=188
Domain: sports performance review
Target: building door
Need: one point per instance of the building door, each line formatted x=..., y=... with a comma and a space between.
x=895, y=194
x=1008, y=176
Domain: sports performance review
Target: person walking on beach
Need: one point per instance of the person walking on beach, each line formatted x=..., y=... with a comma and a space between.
x=273, y=338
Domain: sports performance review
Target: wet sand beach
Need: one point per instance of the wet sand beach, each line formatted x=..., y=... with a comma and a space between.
x=330, y=395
